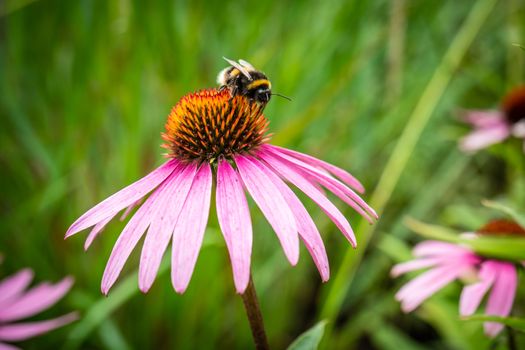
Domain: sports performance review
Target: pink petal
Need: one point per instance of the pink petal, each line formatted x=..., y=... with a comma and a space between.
x=130, y=209
x=189, y=229
x=163, y=221
x=35, y=300
x=422, y=287
x=306, y=226
x=472, y=294
x=329, y=182
x=272, y=203
x=518, y=129
x=95, y=231
x=438, y=248
x=125, y=197
x=132, y=233
x=502, y=295
x=292, y=175
x=101, y=225
x=4, y=346
x=483, y=118
x=12, y=286
x=482, y=138
x=26, y=330
x=340, y=194
x=236, y=226
x=412, y=265
x=344, y=175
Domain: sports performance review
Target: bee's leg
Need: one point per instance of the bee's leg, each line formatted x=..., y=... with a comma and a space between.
x=233, y=92
x=222, y=87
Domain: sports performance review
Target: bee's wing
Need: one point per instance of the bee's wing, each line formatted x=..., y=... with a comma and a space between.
x=247, y=64
x=239, y=67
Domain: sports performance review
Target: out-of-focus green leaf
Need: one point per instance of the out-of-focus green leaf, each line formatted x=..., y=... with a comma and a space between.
x=432, y=231
x=310, y=339
x=503, y=247
x=513, y=322
x=506, y=209
x=518, y=45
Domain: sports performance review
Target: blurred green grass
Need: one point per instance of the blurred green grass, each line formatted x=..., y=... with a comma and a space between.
x=87, y=85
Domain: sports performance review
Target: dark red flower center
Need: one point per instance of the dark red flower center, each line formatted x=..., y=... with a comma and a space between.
x=514, y=105
x=502, y=227
x=208, y=124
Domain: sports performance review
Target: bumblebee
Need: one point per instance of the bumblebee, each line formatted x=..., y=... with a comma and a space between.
x=243, y=79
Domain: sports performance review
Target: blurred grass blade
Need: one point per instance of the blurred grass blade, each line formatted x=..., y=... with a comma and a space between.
x=111, y=336
x=513, y=322
x=310, y=339
x=519, y=218
x=518, y=45
x=396, y=50
x=432, y=231
x=404, y=148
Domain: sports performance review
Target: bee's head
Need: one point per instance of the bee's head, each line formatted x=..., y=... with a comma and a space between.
x=263, y=94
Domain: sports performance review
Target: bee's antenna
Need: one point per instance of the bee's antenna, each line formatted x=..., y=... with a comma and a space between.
x=285, y=97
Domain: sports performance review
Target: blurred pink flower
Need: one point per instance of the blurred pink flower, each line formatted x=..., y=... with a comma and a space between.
x=212, y=136
x=448, y=262
x=17, y=303
x=494, y=126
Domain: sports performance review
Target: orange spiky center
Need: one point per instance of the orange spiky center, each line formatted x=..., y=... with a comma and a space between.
x=209, y=124
x=514, y=105
x=502, y=227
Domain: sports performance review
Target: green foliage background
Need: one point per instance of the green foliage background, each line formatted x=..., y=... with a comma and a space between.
x=86, y=87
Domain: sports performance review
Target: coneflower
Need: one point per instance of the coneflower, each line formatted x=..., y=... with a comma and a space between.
x=494, y=126
x=18, y=302
x=448, y=262
x=209, y=136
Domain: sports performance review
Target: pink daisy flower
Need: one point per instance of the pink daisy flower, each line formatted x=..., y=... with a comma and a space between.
x=494, y=126
x=448, y=262
x=212, y=137
x=17, y=303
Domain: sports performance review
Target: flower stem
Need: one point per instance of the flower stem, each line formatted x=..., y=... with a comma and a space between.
x=251, y=305
x=511, y=339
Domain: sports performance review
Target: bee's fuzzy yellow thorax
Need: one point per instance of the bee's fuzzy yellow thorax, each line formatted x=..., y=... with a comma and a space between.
x=258, y=83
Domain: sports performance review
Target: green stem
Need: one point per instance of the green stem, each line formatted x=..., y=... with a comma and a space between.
x=403, y=150
x=396, y=48
x=515, y=57
x=253, y=311
x=511, y=339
